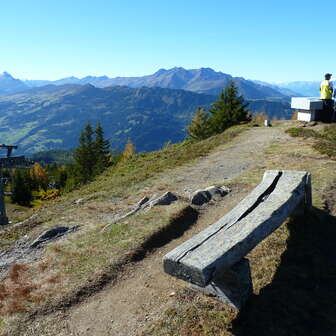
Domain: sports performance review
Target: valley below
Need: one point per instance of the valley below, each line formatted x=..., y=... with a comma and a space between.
x=52, y=117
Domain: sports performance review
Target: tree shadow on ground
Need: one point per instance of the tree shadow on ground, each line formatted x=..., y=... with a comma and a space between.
x=301, y=300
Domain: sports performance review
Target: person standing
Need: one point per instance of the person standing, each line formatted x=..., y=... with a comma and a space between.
x=326, y=91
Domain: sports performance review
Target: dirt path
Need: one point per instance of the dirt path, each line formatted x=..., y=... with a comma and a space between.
x=144, y=290
x=228, y=161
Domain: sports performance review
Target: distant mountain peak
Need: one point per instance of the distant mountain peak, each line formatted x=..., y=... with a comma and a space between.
x=210, y=70
x=178, y=69
x=9, y=84
x=160, y=72
x=6, y=75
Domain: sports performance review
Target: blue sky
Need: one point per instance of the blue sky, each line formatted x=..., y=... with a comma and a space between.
x=266, y=40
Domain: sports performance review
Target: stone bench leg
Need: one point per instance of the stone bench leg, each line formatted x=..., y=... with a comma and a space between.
x=305, y=206
x=233, y=286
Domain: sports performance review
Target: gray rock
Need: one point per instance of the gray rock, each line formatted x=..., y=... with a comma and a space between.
x=232, y=286
x=87, y=198
x=145, y=204
x=202, y=196
x=166, y=199
x=217, y=191
x=25, y=222
x=52, y=234
x=142, y=202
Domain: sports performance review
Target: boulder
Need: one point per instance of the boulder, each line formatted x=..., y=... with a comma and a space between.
x=166, y=199
x=52, y=234
x=218, y=191
x=202, y=196
x=142, y=202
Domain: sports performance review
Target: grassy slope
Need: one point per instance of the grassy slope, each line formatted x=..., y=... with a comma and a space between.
x=90, y=257
x=292, y=270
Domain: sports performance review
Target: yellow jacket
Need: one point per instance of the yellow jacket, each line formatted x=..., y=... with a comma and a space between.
x=326, y=89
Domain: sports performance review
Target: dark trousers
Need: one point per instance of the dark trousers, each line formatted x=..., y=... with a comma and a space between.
x=327, y=115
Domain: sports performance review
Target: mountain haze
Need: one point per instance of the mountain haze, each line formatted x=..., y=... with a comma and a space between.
x=308, y=88
x=284, y=90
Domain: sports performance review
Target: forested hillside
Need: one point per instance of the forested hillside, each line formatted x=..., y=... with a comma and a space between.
x=51, y=117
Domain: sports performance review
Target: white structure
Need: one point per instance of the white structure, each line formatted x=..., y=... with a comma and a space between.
x=307, y=107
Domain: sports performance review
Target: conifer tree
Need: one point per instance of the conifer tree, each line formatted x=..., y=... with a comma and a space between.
x=228, y=110
x=102, y=151
x=199, y=128
x=85, y=155
x=21, y=188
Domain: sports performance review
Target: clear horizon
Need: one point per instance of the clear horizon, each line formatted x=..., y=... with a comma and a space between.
x=259, y=40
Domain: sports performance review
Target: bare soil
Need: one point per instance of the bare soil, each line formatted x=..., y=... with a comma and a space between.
x=226, y=163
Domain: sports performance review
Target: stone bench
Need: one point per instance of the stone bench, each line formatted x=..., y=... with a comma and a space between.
x=214, y=259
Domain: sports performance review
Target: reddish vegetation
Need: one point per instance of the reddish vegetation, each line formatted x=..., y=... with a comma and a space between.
x=18, y=291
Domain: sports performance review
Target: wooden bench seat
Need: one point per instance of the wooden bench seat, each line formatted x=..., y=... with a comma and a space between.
x=214, y=259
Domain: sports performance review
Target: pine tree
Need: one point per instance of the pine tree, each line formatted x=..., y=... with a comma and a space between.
x=21, y=188
x=85, y=155
x=230, y=109
x=102, y=151
x=199, y=128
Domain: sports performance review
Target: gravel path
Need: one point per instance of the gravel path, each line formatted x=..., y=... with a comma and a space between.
x=228, y=161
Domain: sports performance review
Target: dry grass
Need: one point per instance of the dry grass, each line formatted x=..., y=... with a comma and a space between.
x=128, y=178
x=193, y=315
x=292, y=273
x=325, y=140
x=259, y=118
x=294, y=116
x=87, y=261
x=90, y=255
x=19, y=290
x=90, y=258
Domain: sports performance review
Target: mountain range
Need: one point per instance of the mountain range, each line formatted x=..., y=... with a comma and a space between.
x=307, y=88
x=203, y=80
x=150, y=110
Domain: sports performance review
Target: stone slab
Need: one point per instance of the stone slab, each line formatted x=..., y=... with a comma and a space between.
x=227, y=241
x=306, y=115
x=306, y=103
x=233, y=286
